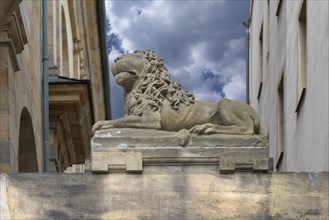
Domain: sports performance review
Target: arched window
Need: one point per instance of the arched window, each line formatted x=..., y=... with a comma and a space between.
x=27, y=155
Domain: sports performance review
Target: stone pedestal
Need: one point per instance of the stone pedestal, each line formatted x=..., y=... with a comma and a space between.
x=137, y=150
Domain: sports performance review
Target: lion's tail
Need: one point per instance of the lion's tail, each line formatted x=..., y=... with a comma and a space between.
x=257, y=128
x=255, y=118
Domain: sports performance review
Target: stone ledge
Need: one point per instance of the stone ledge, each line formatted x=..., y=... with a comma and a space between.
x=132, y=150
x=167, y=196
x=4, y=211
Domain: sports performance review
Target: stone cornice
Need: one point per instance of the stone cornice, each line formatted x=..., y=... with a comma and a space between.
x=7, y=7
x=16, y=31
x=12, y=53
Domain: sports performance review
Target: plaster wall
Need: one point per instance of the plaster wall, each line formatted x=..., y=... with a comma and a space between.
x=305, y=132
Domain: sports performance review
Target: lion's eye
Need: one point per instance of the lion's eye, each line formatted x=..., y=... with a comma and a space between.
x=132, y=73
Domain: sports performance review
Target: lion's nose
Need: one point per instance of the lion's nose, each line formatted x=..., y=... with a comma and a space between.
x=118, y=58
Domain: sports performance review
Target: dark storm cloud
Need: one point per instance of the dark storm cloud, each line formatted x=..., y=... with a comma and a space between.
x=191, y=37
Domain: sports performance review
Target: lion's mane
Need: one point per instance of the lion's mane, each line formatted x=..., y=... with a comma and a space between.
x=156, y=86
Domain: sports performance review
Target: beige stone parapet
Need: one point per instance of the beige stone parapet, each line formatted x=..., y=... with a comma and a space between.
x=4, y=211
x=137, y=150
x=175, y=195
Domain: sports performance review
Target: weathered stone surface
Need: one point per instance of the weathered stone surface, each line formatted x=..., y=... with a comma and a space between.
x=4, y=212
x=177, y=195
x=155, y=101
x=131, y=150
x=74, y=52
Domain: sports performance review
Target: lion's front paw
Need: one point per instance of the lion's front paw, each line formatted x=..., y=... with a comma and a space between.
x=100, y=125
x=96, y=126
x=183, y=137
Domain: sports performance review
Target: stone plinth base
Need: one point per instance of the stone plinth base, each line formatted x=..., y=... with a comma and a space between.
x=135, y=150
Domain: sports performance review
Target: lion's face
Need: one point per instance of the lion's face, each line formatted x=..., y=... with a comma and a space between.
x=147, y=83
x=127, y=69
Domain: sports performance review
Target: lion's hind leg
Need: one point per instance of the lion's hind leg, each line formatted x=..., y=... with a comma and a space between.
x=234, y=117
x=201, y=129
x=210, y=128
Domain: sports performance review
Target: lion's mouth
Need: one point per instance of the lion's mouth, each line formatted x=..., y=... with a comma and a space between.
x=125, y=67
x=130, y=72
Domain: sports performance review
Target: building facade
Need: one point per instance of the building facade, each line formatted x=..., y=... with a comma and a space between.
x=288, y=80
x=77, y=74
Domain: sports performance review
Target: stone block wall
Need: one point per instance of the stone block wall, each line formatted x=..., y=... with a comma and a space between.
x=74, y=53
x=21, y=82
x=170, y=195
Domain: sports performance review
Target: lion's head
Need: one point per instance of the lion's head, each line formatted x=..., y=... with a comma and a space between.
x=147, y=83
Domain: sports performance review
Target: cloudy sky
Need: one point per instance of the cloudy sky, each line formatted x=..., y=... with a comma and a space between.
x=202, y=42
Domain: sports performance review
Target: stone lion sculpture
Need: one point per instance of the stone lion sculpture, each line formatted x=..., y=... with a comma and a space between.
x=154, y=101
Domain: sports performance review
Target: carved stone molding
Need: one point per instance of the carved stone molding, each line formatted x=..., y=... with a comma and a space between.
x=8, y=44
x=7, y=7
x=13, y=36
x=16, y=31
